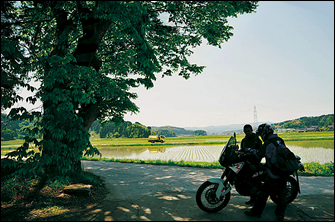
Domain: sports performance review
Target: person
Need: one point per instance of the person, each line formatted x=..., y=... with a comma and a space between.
x=250, y=141
x=273, y=182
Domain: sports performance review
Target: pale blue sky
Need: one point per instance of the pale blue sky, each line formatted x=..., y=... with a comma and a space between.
x=280, y=59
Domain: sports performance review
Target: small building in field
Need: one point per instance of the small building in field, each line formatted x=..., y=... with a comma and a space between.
x=313, y=129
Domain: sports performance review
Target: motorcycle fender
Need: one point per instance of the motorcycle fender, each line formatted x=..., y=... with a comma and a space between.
x=221, y=191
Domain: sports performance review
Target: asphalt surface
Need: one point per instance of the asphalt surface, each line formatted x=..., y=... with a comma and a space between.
x=147, y=192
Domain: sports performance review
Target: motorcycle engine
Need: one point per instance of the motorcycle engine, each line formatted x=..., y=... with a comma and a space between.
x=245, y=185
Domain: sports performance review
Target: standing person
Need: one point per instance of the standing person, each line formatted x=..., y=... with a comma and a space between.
x=273, y=183
x=250, y=141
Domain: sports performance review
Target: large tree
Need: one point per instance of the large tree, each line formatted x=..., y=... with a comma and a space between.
x=88, y=54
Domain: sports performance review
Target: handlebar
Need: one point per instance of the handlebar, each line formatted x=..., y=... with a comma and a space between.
x=242, y=154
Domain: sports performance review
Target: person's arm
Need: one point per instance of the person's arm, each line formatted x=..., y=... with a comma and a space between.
x=270, y=155
x=242, y=145
x=257, y=144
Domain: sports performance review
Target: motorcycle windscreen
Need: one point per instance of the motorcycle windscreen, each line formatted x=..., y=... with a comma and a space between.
x=228, y=154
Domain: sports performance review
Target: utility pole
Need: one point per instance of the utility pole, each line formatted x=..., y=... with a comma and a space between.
x=255, y=119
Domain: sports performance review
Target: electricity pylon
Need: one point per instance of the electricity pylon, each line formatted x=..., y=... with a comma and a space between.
x=255, y=119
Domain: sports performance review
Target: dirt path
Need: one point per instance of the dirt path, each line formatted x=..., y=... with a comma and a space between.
x=166, y=193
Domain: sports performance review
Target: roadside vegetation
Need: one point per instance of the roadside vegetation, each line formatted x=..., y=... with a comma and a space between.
x=43, y=199
x=185, y=140
x=213, y=139
x=311, y=169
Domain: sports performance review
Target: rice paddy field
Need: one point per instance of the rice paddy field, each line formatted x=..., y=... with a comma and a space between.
x=214, y=139
x=311, y=147
x=316, y=150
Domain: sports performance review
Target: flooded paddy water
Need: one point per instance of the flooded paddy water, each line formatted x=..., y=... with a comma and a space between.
x=321, y=151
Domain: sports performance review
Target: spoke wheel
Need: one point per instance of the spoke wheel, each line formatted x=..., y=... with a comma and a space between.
x=291, y=191
x=207, y=200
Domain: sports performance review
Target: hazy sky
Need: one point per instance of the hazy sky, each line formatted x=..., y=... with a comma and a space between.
x=280, y=59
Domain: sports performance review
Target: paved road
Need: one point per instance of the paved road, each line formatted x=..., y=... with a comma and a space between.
x=166, y=193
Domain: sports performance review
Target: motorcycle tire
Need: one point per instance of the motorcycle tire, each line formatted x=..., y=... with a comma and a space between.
x=291, y=189
x=207, y=200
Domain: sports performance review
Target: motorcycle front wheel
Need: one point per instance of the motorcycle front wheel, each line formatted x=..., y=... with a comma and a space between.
x=291, y=191
x=207, y=200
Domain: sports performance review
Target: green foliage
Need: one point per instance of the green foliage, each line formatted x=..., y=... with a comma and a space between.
x=11, y=129
x=137, y=130
x=172, y=129
x=16, y=188
x=316, y=168
x=305, y=122
x=14, y=64
x=166, y=133
x=8, y=134
x=88, y=55
x=200, y=133
x=125, y=130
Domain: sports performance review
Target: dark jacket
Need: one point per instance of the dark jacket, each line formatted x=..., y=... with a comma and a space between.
x=252, y=141
x=269, y=151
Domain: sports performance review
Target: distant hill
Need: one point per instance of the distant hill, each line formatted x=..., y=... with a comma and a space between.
x=179, y=131
x=209, y=129
x=306, y=122
x=302, y=122
x=219, y=129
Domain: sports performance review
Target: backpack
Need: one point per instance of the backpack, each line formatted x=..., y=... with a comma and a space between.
x=286, y=163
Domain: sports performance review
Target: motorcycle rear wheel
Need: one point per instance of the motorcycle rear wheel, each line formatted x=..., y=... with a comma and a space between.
x=291, y=189
x=207, y=200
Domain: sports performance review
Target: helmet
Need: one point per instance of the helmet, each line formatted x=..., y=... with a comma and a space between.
x=246, y=127
x=264, y=130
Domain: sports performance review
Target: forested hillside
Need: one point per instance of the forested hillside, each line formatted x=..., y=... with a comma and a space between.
x=172, y=131
x=126, y=129
x=176, y=130
x=11, y=130
x=306, y=122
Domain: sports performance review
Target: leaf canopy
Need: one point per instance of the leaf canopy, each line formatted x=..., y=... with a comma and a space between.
x=89, y=54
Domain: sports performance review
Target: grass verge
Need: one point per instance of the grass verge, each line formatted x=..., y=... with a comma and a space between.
x=311, y=169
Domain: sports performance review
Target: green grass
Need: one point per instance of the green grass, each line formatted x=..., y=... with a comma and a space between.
x=314, y=168
x=217, y=139
x=326, y=169
x=294, y=136
x=326, y=144
x=194, y=140
x=12, y=142
x=185, y=140
x=32, y=199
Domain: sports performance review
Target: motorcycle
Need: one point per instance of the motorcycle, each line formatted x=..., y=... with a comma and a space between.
x=244, y=174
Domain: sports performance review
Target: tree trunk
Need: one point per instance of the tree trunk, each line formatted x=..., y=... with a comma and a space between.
x=76, y=167
x=90, y=114
x=85, y=54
